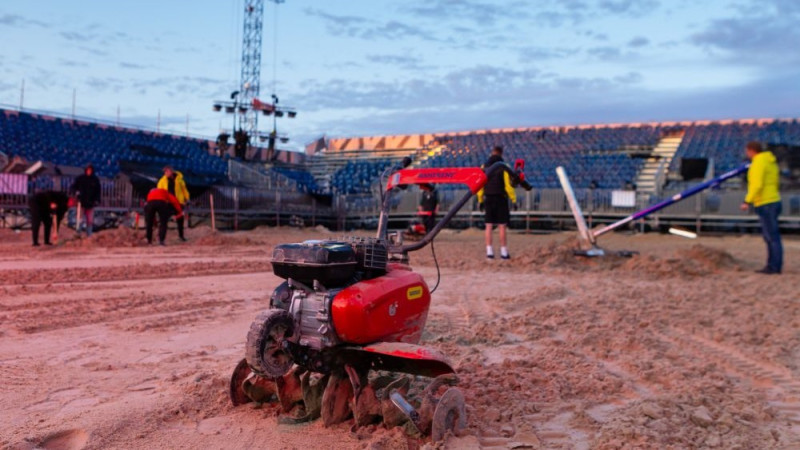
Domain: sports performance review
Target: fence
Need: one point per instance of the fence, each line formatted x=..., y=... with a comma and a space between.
x=536, y=208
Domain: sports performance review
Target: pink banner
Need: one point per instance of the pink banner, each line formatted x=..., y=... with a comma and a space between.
x=13, y=183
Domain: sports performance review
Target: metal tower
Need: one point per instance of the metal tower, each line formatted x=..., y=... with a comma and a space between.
x=251, y=63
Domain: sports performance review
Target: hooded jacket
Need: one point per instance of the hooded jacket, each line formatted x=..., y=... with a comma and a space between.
x=181, y=193
x=87, y=188
x=498, y=184
x=763, y=179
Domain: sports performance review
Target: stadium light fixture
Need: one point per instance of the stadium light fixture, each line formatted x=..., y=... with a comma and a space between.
x=292, y=114
x=217, y=107
x=278, y=113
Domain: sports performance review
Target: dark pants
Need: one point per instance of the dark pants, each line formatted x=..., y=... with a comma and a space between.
x=429, y=222
x=497, y=211
x=38, y=219
x=768, y=215
x=164, y=211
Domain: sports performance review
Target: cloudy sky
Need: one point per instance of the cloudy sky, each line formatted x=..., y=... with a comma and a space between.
x=372, y=67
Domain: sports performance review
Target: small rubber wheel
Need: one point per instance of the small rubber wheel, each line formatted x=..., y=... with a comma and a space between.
x=450, y=415
x=265, y=353
x=240, y=373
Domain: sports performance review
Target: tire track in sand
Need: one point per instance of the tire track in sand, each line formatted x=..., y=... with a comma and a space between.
x=782, y=389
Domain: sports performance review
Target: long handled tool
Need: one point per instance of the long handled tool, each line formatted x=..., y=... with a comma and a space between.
x=78, y=219
x=590, y=237
x=54, y=230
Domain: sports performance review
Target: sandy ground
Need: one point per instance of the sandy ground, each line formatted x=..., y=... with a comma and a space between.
x=108, y=343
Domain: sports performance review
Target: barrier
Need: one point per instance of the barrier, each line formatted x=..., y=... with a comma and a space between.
x=536, y=208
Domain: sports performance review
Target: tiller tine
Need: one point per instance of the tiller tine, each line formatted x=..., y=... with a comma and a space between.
x=313, y=388
x=290, y=390
x=365, y=405
x=237, y=393
x=248, y=387
x=311, y=385
x=336, y=399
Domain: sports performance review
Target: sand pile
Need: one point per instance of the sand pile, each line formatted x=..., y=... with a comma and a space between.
x=117, y=237
x=698, y=260
x=712, y=258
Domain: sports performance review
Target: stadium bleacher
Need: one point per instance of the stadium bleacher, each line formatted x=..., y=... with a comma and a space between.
x=356, y=177
x=589, y=154
x=596, y=156
x=725, y=141
x=108, y=148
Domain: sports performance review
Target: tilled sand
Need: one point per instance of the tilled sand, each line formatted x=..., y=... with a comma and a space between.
x=109, y=343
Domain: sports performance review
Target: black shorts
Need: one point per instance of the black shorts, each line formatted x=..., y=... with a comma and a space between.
x=496, y=207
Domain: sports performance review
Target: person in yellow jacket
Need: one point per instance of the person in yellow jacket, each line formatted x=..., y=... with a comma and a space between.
x=172, y=181
x=494, y=198
x=763, y=180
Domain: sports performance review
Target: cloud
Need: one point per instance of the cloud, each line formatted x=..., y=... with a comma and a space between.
x=402, y=61
x=75, y=36
x=557, y=19
x=763, y=37
x=610, y=53
x=634, y=8
x=471, y=88
x=535, y=53
x=359, y=27
x=193, y=86
x=104, y=84
x=395, y=30
x=482, y=13
x=14, y=20
x=93, y=50
x=605, y=52
x=70, y=63
x=638, y=41
x=127, y=65
x=570, y=101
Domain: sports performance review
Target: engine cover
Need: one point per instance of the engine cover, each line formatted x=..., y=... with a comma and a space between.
x=312, y=313
x=390, y=308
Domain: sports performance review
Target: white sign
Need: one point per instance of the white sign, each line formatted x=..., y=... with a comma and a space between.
x=623, y=199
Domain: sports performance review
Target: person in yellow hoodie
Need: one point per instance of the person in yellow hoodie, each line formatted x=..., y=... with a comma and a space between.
x=172, y=181
x=763, y=179
x=494, y=197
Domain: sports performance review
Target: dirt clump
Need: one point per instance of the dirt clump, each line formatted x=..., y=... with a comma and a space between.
x=117, y=237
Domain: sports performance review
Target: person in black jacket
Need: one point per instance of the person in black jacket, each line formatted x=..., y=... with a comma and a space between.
x=494, y=197
x=43, y=206
x=87, y=188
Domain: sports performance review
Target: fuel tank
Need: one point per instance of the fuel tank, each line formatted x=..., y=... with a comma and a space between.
x=390, y=308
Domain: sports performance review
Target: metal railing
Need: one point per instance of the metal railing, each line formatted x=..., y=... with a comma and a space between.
x=277, y=206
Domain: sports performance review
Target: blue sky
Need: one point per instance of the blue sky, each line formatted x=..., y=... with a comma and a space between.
x=372, y=67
